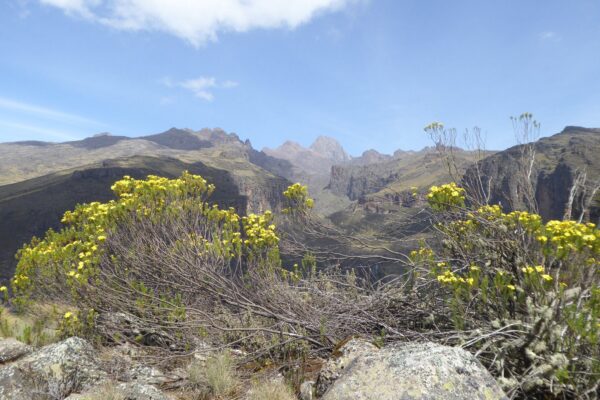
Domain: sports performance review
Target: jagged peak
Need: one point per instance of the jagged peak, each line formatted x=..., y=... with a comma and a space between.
x=330, y=148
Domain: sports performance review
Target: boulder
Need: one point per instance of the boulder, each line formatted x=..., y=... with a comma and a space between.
x=342, y=357
x=11, y=349
x=414, y=371
x=52, y=372
x=141, y=391
x=122, y=391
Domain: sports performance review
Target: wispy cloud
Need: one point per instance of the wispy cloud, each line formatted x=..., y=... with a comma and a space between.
x=201, y=20
x=201, y=87
x=44, y=112
x=549, y=35
x=28, y=130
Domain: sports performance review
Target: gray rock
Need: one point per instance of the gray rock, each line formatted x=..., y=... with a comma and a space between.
x=141, y=391
x=306, y=390
x=415, y=371
x=121, y=391
x=340, y=360
x=11, y=349
x=51, y=372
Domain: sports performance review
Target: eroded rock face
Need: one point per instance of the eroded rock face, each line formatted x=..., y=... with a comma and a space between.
x=51, y=372
x=414, y=371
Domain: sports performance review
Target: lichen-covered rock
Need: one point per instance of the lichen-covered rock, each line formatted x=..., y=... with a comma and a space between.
x=342, y=357
x=307, y=390
x=52, y=372
x=124, y=391
x=141, y=391
x=11, y=349
x=415, y=371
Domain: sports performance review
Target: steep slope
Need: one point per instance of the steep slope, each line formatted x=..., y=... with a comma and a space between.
x=559, y=160
x=31, y=207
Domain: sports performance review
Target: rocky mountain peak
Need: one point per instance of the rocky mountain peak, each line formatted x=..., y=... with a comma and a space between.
x=329, y=148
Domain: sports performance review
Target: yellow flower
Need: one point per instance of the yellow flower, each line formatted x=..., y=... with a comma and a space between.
x=539, y=268
x=68, y=314
x=512, y=288
x=547, y=277
x=3, y=289
x=542, y=239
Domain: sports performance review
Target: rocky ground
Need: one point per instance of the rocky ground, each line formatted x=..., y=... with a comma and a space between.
x=75, y=370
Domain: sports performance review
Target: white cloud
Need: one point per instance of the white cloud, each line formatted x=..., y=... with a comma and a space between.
x=27, y=130
x=202, y=87
x=198, y=21
x=14, y=105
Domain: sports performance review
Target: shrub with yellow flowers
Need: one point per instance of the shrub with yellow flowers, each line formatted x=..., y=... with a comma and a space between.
x=525, y=293
x=446, y=197
x=67, y=261
x=297, y=198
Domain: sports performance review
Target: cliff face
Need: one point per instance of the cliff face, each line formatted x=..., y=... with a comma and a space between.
x=561, y=162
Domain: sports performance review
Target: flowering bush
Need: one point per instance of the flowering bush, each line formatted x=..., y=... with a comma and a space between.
x=69, y=259
x=525, y=294
x=297, y=198
x=446, y=197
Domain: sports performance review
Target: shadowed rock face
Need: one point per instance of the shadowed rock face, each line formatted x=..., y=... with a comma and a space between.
x=414, y=371
x=559, y=159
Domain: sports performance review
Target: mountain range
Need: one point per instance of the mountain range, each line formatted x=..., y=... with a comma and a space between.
x=41, y=180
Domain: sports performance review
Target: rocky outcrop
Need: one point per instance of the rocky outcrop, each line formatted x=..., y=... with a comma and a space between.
x=411, y=371
x=74, y=370
x=341, y=359
x=52, y=372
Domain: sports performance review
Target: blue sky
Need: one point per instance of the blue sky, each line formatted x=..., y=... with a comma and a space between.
x=371, y=73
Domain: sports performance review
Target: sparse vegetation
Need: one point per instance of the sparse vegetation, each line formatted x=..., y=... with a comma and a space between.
x=38, y=327
x=521, y=293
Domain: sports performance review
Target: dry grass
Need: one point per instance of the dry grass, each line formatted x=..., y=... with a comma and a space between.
x=36, y=327
x=215, y=378
x=270, y=390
